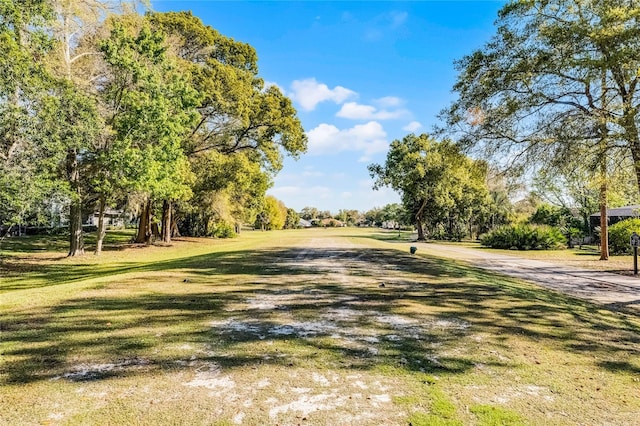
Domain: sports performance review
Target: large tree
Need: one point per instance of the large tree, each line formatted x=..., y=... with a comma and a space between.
x=554, y=73
x=237, y=113
x=438, y=184
x=558, y=80
x=153, y=110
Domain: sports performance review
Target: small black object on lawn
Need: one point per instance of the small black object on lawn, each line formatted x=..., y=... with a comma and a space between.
x=413, y=249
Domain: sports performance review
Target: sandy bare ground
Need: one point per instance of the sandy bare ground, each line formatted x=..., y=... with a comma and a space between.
x=318, y=305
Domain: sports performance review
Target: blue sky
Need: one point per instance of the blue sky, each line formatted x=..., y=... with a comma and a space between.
x=360, y=74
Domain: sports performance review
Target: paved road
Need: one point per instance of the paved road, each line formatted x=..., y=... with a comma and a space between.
x=612, y=290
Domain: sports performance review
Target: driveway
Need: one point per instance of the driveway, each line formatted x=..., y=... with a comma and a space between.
x=612, y=290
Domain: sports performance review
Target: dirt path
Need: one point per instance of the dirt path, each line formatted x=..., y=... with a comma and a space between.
x=609, y=289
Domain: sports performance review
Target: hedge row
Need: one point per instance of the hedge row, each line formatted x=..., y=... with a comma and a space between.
x=524, y=237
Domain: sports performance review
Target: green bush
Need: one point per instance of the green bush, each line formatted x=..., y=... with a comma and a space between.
x=524, y=237
x=620, y=234
x=224, y=230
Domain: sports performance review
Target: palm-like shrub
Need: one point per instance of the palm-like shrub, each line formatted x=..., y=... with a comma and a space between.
x=524, y=237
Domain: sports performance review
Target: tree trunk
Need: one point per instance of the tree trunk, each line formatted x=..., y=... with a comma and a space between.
x=604, y=133
x=420, y=230
x=166, y=221
x=175, y=232
x=419, y=218
x=76, y=239
x=604, y=228
x=144, y=227
x=101, y=231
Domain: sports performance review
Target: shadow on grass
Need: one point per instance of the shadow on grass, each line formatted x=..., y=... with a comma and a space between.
x=114, y=240
x=324, y=306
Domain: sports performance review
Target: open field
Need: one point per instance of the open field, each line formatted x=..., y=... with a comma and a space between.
x=317, y=327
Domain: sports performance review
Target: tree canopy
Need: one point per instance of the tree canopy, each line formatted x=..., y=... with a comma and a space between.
x=440, y=186
x=558, y=80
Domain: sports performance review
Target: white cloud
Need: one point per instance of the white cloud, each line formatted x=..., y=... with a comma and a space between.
x=370, y=138
x=309, y=93
x=356, y=111
x=412, y=127
x=346, y=195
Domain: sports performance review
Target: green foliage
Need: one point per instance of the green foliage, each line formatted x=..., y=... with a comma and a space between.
x=273, y=214
x=224, y=230
x=158, y=109
x=439, y=185
x=560, y=217
x=309, y=213
x=237, y=112
x=524, y=237
x=293, y=219
x=21, y=80
x=243, y=128
x=227, y=188
x=500, y=210
x=489, y=415
x=620, y=235
x=154, y=109
x=554, y=86
x=576, y=184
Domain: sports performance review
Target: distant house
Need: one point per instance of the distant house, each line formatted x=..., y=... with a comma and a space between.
x=390, y=224
x=112, y=218
x=305, y=223
x=616, y=215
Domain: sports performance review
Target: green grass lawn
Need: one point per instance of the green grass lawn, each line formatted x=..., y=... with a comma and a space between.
x=318, y=327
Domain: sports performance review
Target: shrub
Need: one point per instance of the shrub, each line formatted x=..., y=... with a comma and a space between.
x=224, y=230
x=620, y=234
x=524, y=237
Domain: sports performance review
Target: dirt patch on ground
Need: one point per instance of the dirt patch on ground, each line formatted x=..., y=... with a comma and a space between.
x=330, y=332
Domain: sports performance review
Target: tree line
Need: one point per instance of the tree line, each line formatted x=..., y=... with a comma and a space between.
x=101, y=106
